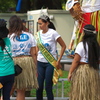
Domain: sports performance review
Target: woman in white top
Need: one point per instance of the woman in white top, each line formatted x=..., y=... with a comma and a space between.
x=24, y=54
x=49, y=38
x=84, y=71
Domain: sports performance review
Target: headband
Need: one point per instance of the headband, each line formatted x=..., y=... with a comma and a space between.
x=89, y=30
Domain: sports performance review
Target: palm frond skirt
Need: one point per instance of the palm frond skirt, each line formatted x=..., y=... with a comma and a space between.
x=85, y=83
x=27, y=79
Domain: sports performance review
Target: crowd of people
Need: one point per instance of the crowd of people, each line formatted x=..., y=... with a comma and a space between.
x=25, y=51
x=37, y=56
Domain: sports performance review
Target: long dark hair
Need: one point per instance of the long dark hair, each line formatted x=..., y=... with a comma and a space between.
x=3, y=33
x=15, y=25
x=90, y=39
x=46, y=19
x=2, y=43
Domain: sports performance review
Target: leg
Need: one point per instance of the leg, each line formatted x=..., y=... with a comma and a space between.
x=41, y=76
x=7, y=85
x=48, y=81
x=20, y=94
x=12, y=90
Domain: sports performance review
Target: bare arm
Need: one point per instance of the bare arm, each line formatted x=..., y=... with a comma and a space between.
x=63, y=47
x=34, y=54
x=37, y=49
x=71, y=44
x=74, y=65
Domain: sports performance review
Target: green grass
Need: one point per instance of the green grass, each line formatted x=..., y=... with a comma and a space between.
x=66, y=87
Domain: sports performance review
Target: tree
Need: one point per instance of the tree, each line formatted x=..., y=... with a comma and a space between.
x=6, y=4
x=50, y=4
x=44, y=4
x=57, y=4
x=38, y=4
x=27, y=5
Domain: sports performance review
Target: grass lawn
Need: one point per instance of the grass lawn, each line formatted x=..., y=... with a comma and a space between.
x=66, y=88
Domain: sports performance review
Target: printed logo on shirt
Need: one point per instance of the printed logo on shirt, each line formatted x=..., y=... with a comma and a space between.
x=22, y=38
x=47, y=46
x=6, y=57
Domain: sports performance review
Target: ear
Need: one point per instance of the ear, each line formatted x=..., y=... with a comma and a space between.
x=47, y=23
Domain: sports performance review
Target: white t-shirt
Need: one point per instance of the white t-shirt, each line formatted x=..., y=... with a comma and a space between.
x=49, y=41
x=90, y=5
x=22, y=45
x=80, y=50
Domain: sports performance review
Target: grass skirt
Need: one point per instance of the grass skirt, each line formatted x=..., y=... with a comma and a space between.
x=27, y=79
x=85, y=84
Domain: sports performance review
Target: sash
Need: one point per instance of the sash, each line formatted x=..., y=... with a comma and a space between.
x=49, y=57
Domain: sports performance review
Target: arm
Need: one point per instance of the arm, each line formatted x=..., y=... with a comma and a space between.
x=74, y=65
x=63, y=47
x=37, y=49
x=34, y=54
x=71, y=44
x=76, y=24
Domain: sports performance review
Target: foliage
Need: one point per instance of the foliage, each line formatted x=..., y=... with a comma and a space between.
x=6, y=4
x=63, y=4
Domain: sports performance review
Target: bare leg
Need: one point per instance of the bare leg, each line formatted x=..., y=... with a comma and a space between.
x=20, y=94
x=12, y=91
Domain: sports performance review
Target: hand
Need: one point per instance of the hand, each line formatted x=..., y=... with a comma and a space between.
x=36, y=73
x=58, y=65
x=69, y=76
x=71, y=56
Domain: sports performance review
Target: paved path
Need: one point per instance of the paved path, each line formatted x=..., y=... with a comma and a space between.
x=33, y=98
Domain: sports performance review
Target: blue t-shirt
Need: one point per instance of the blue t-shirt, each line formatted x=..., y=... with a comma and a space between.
x=6, y=63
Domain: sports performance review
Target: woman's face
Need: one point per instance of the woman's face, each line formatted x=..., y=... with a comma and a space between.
x=42, y=25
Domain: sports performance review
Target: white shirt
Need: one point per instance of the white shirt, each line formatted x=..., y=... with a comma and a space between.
x=80, y=50
x=90, y=5
x=22, y=45
x=49, y=41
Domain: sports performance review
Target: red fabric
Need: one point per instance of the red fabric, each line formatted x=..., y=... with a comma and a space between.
x=88, y=20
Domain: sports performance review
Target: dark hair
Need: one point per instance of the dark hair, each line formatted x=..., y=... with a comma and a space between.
x=46, y=19
x=93, y=46
x=2, y=43
x=51, y=25
x=23, y=21
x=3, y=32
x=15, y=25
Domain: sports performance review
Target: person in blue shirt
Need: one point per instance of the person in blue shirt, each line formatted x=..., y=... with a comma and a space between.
x=6, y=63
